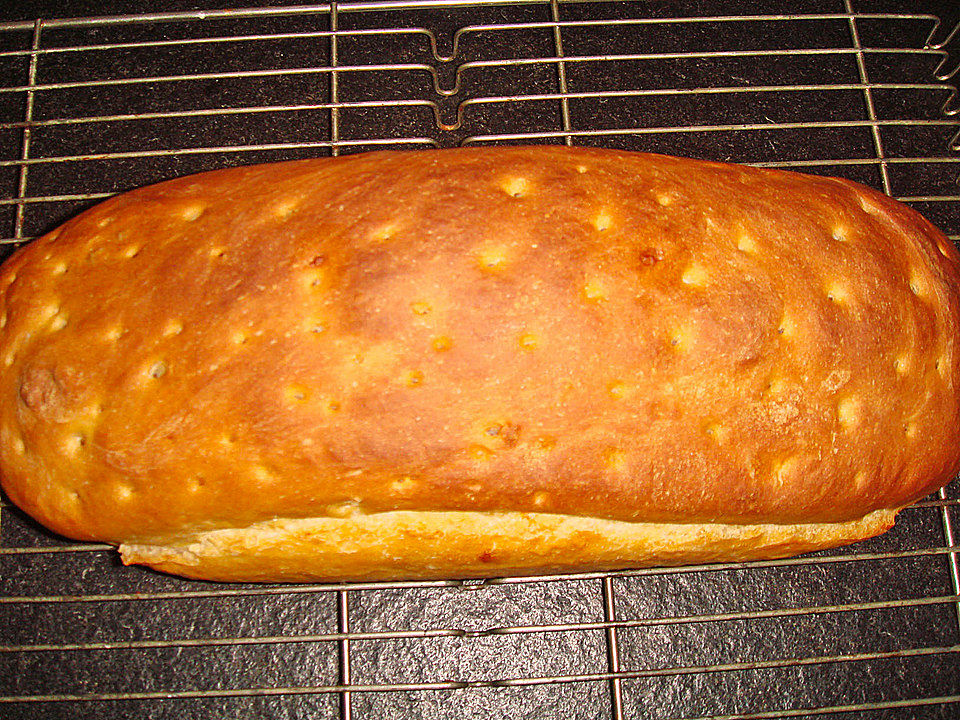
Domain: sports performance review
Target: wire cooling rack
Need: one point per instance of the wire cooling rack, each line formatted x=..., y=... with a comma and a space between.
x=90, y=106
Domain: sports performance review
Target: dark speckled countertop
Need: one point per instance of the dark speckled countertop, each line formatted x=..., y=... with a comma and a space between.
x=107, y=101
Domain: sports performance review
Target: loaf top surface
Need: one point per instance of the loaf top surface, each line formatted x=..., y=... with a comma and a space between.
x=551, y=330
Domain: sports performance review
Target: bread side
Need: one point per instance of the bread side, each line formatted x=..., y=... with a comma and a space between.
x=405, y=545
x=551, y=331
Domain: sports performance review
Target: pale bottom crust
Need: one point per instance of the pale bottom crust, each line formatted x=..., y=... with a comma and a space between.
x=406, y=545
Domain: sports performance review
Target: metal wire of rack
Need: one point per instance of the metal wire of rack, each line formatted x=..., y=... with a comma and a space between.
x=90, y=106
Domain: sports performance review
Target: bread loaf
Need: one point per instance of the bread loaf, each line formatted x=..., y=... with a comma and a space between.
x=478, y=362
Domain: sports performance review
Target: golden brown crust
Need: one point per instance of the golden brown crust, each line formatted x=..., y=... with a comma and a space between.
x=564, y=331
x=404, y=545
